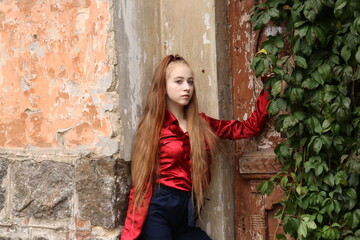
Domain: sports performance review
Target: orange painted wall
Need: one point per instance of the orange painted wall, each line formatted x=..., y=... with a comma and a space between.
x=54, y=73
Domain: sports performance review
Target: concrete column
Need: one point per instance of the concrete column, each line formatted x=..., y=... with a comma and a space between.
x=197, y=30
x=138, y=34
x=146, y=31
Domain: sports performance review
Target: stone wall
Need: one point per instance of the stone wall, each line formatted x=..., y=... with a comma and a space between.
x=51, y=200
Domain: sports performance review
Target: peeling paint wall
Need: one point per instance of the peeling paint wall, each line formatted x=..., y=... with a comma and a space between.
x=60, y=127
x=55, y=76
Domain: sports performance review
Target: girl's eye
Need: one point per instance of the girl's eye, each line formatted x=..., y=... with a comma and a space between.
x=190, y=82
x=178, y=81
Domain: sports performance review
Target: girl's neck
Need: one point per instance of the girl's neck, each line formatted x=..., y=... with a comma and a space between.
x=179, y=114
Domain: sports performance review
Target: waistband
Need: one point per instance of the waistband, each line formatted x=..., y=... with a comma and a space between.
x=158, y=186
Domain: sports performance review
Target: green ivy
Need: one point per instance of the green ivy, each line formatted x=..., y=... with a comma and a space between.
x=317, y=57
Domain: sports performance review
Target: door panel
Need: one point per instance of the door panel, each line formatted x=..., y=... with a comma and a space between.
x=254, y=158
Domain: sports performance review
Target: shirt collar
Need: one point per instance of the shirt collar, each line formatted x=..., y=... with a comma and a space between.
x=169, y=118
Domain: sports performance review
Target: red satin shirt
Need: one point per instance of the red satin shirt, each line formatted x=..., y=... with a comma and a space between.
x=174, y=156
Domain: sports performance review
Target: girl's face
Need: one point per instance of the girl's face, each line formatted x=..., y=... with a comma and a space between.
x=179, y=85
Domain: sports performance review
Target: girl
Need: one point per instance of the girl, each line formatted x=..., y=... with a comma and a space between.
x=171, y=156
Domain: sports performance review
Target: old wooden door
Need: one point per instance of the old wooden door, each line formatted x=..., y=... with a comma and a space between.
x=254, y=161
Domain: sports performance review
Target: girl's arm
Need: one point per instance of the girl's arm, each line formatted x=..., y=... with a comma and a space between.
x=135, y=218
x=242, y=129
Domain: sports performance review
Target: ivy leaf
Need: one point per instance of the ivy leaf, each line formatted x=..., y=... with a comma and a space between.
x=299, y=23
x=312, y=8
x=281, y=103
x=301, y=32
x=289, y=121
x=311, y=225
x=339, y=5
x=329, y=180
x=255, y=61
x=284, y=181
x=335, y=129
x=331, y=92
x=351, y=193
x=292, y=226
x=266, y=187
x=300, y=115
x=317, y=76
x=325, y=71
x=308, y=166
x=330, y=233
x=319, y=218
x=310, y=36
x=276, y=88
x=284, y=150
x=334, y=59
x=298, y=159
x=297, y=45
x=266, y=18
x=318, y=143
x=280, y=236
x=258, y=19
x=328, y=3
x=296, y=95
x=259, y=68
x=314, y=124
x=310, y=83
x=354, y=180
x=320, y=35
x=347, y=74
x=301, y=62
x=273, y=12
x=326, y=126
x=346, y=53
x=356, y=25
x=319, y=170
x=310, y=14
x=273, y=108
x=327, y=140
x=355, y=219
x=357, y=55
x=302, y=231
x=338, y=143
x=306, y=48
x=337, y=207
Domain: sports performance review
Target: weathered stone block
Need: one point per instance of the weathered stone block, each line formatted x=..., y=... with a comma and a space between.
x=3, y=172
x=14, y=233
x=101, y=187
x=42, y=189
x=49, y=234
x=6, y=238
x=122, y=189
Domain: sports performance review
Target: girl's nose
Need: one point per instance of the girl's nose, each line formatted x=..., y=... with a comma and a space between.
x=187, y=86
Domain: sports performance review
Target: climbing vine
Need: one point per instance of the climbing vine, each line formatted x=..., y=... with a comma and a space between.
x=315, y=99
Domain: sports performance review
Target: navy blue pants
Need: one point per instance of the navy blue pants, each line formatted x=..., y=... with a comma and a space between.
x=170, y=217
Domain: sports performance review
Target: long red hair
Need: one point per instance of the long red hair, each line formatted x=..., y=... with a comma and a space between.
x=144, y=153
